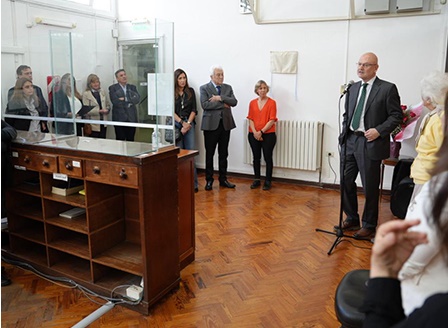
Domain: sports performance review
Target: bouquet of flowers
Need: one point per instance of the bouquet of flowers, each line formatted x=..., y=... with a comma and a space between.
x=406, y=128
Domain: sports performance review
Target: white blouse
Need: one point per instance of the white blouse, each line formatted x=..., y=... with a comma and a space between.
x=426, y=272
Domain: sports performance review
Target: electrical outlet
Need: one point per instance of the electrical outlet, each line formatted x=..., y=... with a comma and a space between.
x=330, y=154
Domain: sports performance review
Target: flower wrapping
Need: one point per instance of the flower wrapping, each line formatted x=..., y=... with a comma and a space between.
x=407, y=127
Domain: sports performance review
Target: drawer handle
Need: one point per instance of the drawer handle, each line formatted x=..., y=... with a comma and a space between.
x=68, y=166
x=27, y=159
x=96, y=170
x=45, y=163
x=123, y=174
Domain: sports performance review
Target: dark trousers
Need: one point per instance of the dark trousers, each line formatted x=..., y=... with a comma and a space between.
x=267, y=145
x=357, y=161
x=126, y=133
x=221, y=138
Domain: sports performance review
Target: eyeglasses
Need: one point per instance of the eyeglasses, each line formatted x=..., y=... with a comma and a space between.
x=366, y=65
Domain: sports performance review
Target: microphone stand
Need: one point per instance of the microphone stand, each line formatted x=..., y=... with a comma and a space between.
x=339, y=233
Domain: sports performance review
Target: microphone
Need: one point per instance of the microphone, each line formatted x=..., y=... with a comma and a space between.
x=347, y=86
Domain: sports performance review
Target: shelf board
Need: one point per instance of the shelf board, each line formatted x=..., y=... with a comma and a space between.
x=76, y=200
x=74, y=267
x=31, y=235
x=28, y=189
x=117, y=278
x=72, y=244
x=125, y=256
x=31, y=255
x=78, y=224
x=29, y=212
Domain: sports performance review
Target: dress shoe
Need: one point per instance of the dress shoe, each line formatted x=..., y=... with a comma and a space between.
x=267, y=185
x=5, y=280
x=255, y=184
x=348, y=225
x=209, y=185
x=226, y=184
x=364, y=233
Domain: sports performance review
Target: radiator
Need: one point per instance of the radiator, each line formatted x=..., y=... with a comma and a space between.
x=299, y=145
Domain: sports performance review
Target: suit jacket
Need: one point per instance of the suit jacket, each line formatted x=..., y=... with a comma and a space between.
x=124, y=110
x=215, y=110
x=382, y=112
x=88, y=99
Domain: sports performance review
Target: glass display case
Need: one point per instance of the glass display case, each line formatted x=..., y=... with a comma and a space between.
x=146, y=107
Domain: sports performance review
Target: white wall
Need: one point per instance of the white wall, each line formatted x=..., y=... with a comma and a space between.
x=213, y=32
x=208, y=32
x=24, y=42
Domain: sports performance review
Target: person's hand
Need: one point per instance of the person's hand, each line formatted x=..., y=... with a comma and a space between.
x=215, y=98
x=258, y=135
x=104, y=111
x=186, y=126
x=394, y=243
x=371, y=134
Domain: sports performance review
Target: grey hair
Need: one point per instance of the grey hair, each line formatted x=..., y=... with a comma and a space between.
x=434, y=87
x=258, y=84
x=213, y=68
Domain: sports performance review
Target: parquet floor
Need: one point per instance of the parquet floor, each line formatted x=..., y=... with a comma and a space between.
x=259, y=263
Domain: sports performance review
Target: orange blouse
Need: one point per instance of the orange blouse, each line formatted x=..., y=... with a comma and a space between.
x=263, y=116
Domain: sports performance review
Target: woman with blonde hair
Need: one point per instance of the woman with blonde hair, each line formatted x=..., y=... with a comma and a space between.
x=262, y=117
x=95, y=96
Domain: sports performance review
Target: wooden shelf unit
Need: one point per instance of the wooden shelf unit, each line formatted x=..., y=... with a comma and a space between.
x=130, y=229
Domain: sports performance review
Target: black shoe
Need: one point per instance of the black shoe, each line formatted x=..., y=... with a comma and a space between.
x=226, y=184
x=255, y=184
x=5, y=280
x=196, y=189
x=267, y=185
x=209, y=185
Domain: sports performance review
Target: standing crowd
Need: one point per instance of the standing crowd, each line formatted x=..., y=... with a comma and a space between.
x=216, y=98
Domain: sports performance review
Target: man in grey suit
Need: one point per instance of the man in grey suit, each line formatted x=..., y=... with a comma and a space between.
x=372, y=112
x=124, y=98
x=217, y=100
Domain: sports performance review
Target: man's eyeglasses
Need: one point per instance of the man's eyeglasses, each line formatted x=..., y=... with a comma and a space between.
x=366, y=65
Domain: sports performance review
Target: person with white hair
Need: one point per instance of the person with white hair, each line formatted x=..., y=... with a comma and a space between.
x=217, y=100
x=433, y=92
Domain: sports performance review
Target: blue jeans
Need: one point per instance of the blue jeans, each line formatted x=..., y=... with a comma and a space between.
x=188, y=142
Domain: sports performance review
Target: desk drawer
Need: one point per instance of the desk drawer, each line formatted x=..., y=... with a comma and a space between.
x=71, y=166
x=35, y=161
x=113, y=173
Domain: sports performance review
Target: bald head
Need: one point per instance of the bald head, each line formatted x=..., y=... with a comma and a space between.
x=367, y=66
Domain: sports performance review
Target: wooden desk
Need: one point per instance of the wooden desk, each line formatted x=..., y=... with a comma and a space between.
x=389, y=162
x=130, y=228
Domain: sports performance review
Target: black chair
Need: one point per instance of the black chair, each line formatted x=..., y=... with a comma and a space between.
x=349, y=297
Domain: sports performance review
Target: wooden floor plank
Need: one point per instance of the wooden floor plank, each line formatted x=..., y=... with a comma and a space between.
x=259, y=263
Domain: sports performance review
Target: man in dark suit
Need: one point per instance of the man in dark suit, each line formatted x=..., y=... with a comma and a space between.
x=372, y=112
x=25, y=71
x=217, y=100
x=124, y=98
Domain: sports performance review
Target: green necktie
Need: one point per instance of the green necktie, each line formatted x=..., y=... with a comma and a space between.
x=359, y=107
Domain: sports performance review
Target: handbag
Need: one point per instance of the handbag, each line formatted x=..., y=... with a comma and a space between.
x=169, y=132
x=87, y=129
